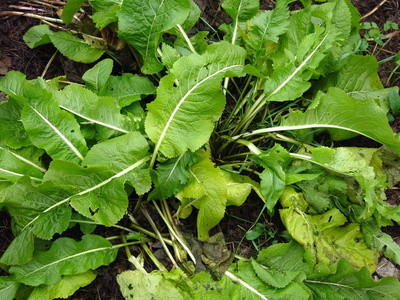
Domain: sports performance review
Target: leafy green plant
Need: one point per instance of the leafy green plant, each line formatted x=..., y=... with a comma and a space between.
x=105, y=152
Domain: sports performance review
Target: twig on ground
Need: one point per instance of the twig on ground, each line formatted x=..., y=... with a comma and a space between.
x=374, y=10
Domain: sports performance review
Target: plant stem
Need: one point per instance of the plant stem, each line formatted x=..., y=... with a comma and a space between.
x=132, y=258
x=186, y=38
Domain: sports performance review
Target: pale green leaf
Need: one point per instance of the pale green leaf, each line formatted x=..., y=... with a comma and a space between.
x=12, y=131
x=70, y=9
x=191, y=20
x=64, y=288
x=20, y=250
x=104, y=112
x=40, y=208
x=209, y=187
x=142, y=24
x=241, y=10
x=128, y=88
x=65, y=257
x=37, y=35
x=75, y=48
x=346, y=283
x=97, y=77
x=173, y=122
x=169, y=55
x=8, y=288
x=325, y=237
x=239, y=188
x=118, y=154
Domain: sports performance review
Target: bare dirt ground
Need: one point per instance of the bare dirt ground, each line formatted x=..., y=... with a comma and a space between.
x=15, y=55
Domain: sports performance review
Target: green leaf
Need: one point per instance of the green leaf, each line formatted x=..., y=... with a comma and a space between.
x=38, y=35
x=327, y=239
x=381, y=241
x=65, y=257
x=70, y=9
x=64, y=288
x=48, y=127
x=75, y=48
x=128, y=88
x=40, y=209
x=14, y=166
x=118, y=154
x=346, y=283
x=12, y=131
x=8, y=288
x=209, y=187
x=336, y=109
x=173, y=122
x=241, y=10
x=171, y=176
x=97, y=77
x=20, y=250
x=141, y=24
x=96, y=193
x=104, y=112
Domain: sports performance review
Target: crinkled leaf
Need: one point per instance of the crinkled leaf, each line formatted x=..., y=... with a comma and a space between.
x=20, y=250
x=128, y=88
x=172, y=285
x=12, y=131
x=208, y=187
x=75, y=48
x=97, y=77
x=141, y=24
x=8, y=288
x=173, y=121
x=48, y=127
x=64, y=288
x=65, y=257
x=70, y=9
x=118, y=154
x=38, y=35
x=345, y=282
x=336, y=109
x=171, y=176
x=104, y=112
x=105, y=12
x=41, y=209
x=325, y=236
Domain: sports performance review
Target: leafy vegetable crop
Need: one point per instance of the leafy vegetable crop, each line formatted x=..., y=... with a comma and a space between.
x=207, y=124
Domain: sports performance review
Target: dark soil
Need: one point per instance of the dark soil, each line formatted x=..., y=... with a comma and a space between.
x=15, y=55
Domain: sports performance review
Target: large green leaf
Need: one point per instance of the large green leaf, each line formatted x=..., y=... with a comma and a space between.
x=65, y=257
x=104, y=112
x=142, y=24
x=96, y=193
x=20, y=250
x=64, y=288
x=336, y=109
x=40, y=209
x=70, y=9
x=174, y=122
x=118, y=154
x=48, y=127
